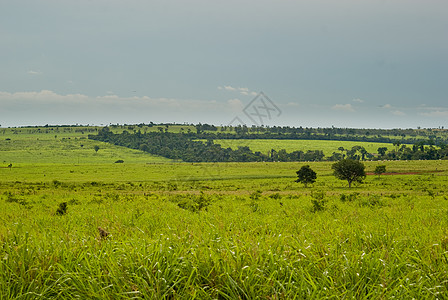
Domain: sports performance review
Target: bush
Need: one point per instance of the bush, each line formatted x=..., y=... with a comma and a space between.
x=318, y=200
x=195, y=203
x=62, y=209
x=349, y=197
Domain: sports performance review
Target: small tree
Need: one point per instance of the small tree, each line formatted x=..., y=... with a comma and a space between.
x=380, y=170
x=350, y=170
x=96, y=147
x=306, y=175
x=382, y=151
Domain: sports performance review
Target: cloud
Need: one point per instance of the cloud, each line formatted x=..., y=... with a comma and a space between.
x=436, y=114
x=387, y=106
x=50, y=97
x=42, y=97
x=358, y=100
x=236, y=104
x=49, y=107
x=229, y=88
x=343, y=107
x=242, y=90
x=31, y=72
x=398, y=113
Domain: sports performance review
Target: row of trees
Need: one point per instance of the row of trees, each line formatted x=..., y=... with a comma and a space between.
x=206, y=131
x=346, y=169
x=184, y=146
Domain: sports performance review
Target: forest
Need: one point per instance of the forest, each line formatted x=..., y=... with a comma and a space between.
x=190, y=146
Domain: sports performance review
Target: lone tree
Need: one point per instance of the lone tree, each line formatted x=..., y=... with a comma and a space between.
x=96, y=148
x=382, y=151
x=306, y=175
x=350, y=170
x=380, y=170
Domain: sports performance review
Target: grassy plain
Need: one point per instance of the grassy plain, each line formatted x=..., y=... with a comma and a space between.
x=63, y=146
x=214, y=230
x=328, y=147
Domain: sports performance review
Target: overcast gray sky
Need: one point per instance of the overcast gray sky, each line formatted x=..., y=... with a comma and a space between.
x=345, y=63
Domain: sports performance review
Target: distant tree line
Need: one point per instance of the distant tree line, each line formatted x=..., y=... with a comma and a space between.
x=185, y=146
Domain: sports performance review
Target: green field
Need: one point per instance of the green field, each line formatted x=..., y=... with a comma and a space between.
x=328, y=147
x=59, y=146
x=213, y=230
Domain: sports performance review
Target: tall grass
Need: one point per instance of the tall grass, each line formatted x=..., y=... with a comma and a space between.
x=157, y=249
x=214, y=231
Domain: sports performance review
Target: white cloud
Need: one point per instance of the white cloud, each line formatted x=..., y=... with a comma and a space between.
x=436, y=114
x=44, y=96
x=229, y=88
x=47, y=98
x=49, y=107
x=387, y=106
x=358, y=100
x=398, y=113
x=242, y=90
x=31, y=72
x=343, y=107
x=235, y=104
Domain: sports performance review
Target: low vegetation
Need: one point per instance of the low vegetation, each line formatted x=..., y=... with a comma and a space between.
x=154, y=229
x=189, y=147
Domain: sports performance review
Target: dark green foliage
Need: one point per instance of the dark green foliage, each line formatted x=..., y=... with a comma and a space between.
x=306, y=175
x=380, y=170
x=349, y=197
x=13, y=198
x=255, y=195
x=350, y=170
x=184, y=146
x=120, y=161
x=371, y=201
x=382, y=151
x=195, y=203
x=62, y=209
x=275, y=196
x=318, y=200
x=187, y=147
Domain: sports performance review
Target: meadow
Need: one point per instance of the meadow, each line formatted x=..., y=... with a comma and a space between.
x=328, y=147
x=212, y=230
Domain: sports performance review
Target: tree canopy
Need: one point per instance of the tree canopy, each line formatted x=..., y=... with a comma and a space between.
x=306, y=175
x=350, y=170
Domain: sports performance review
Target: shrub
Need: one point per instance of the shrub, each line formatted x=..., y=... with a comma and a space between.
x=62, y=209
x=349, y=197
x=318, y=200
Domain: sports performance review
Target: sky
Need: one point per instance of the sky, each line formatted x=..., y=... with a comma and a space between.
x=309, y=63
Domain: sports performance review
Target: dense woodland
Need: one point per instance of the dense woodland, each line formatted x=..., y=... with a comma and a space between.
x=435, y=136
x=186, y=146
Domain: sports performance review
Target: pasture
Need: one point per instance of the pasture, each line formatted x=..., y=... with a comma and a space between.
x=213, y=230
x=328, y=147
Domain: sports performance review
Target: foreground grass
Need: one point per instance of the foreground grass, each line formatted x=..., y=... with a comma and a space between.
x=237, y=246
